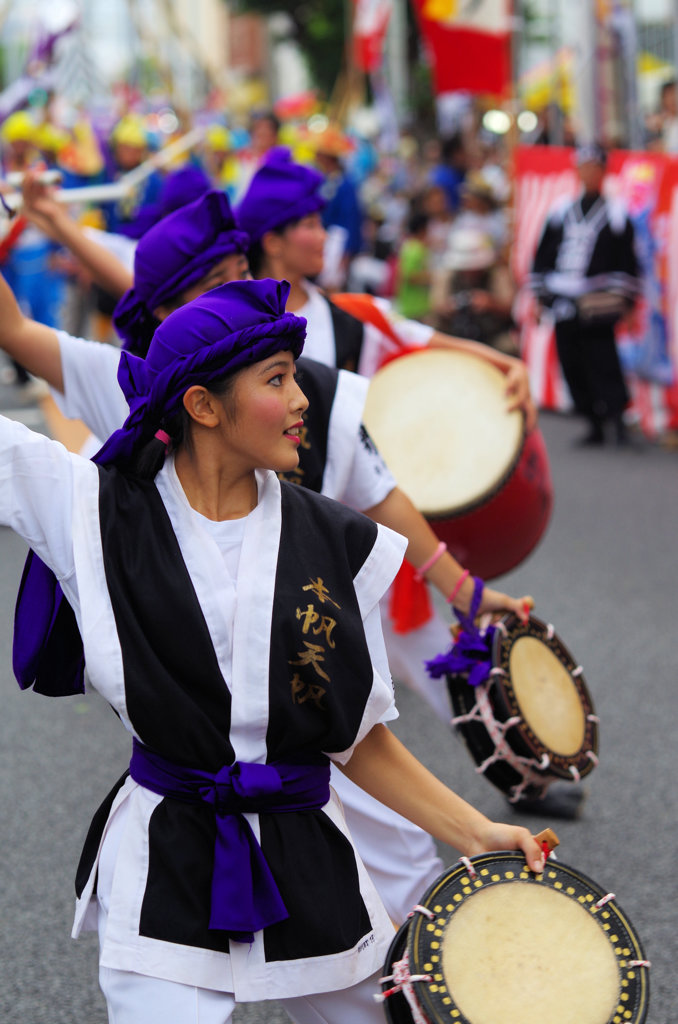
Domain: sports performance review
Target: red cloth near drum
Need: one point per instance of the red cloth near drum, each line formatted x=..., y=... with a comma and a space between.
x=410, y=605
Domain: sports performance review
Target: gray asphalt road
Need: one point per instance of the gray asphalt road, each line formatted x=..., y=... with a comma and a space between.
x=605, y=575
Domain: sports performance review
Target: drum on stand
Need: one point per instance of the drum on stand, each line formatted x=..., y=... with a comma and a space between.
x=533, y=721
x=492, y=942
x=439, y=419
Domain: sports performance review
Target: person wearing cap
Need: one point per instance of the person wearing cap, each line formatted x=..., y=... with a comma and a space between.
x=29, y=263
x=586, y=274
x=473, y=293
x=342, y=214
x=231, y=621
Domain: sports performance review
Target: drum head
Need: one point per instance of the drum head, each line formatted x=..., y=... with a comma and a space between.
x=439, y=419
x=543, y=685
x=508, y=945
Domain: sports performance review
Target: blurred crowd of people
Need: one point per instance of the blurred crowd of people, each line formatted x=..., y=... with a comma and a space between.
x=426, y=227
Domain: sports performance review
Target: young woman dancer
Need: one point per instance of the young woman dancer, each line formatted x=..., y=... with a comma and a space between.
x=231, y=620
x=178, y=259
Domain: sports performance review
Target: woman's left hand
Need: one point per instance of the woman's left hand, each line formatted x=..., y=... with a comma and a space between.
x=518, y=392
x=494, y=601
x=498, y=836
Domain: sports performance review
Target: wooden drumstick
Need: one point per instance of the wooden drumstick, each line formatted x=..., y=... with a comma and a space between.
x=547, y=839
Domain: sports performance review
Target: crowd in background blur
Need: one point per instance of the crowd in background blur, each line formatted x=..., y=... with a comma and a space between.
x=426, y=224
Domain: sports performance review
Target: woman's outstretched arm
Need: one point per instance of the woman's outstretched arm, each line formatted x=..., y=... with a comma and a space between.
x=385, y=769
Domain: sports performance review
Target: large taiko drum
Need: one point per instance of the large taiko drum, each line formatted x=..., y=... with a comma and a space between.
x=439, y=419
x=532, y=722
x=493, y=943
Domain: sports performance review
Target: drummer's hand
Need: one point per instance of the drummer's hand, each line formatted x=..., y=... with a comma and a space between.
x=497, y=836
x=495, y=601
x=39, y=206
x=518, y=392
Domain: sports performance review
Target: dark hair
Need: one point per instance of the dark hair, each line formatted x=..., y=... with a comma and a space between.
x=417, y=222
x=265, y=115
x=149, y=461
x=255, y=253
x=671, y=84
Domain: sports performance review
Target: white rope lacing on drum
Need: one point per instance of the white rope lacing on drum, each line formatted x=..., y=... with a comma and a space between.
x=418, y=909
x=550, y=631
x=640, y=963
x=469, y=867
x=497, y=672
x=501, y=627
x=593, y=718
x=526, y=767
x=574, y=772
x=605, y=899
x=576, y=672
x=403, y=983
x=592, y=757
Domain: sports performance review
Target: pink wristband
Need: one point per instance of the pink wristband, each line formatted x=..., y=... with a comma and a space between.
x=423, y=569
x=458, y=585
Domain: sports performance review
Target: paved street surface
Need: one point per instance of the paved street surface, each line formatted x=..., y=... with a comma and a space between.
x=605, y=575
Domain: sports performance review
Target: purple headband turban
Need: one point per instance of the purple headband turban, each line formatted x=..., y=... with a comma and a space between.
x=229, y=327
x=225, y=329
x=280, y=191
x=175, y=253
x=182, y=187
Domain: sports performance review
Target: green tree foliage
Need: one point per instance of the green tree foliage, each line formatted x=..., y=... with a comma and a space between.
x=319, y=29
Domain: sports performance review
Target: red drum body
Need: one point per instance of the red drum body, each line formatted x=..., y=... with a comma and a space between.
x=439, y=419
x=492, y=942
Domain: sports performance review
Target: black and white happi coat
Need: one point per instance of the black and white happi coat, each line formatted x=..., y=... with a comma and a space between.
x=337, y=459
x=204, y=680
x=584, y=247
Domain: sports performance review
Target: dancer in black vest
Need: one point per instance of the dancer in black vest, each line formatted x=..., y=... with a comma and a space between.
x=586, y=272
x=240, y=644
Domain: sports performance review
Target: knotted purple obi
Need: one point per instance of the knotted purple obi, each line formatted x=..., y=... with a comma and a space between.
x=245, y=897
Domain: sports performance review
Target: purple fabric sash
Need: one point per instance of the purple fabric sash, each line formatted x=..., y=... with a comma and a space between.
x=245, y=897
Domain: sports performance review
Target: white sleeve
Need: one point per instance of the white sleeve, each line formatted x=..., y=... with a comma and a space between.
x=370, y=480
x=120, y=246
x=91, y=390
x=371, y=583
x=38, y=481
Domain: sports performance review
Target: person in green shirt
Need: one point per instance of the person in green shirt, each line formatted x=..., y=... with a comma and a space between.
x=413, y=280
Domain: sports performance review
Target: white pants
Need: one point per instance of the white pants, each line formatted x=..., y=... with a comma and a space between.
x=138, y=999
x=407, y=653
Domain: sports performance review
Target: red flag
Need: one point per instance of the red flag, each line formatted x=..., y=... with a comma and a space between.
x=469, y=43
x=370, y=22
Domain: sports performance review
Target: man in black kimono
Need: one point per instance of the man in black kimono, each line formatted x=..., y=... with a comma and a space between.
x=586, y=272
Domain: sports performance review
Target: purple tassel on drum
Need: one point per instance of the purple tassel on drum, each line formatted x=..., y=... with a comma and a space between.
x=471, y=653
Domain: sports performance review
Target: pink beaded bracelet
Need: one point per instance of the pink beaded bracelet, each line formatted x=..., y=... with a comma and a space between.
x=458, y=585
x=423, y=569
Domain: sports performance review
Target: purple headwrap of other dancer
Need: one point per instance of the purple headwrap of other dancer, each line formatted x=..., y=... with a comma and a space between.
x=280, y=191
x=175, y=253
x=226, y=329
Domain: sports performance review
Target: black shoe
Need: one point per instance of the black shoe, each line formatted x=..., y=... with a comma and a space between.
x=594, y=439
x=564, y=802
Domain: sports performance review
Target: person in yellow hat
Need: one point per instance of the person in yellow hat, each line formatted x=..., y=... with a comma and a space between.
x=27, y=263
x=18, y=141
x=219, y=159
